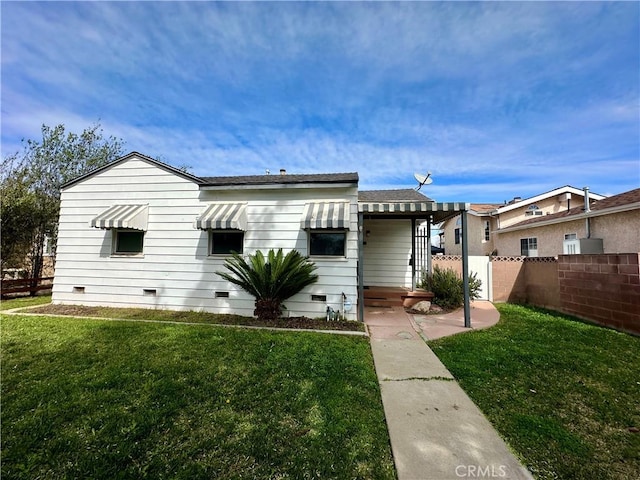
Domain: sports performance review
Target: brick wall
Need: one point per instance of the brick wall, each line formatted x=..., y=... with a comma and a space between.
x=541, y=282
x=602, y=288
x=448, y=261
x=508, y=282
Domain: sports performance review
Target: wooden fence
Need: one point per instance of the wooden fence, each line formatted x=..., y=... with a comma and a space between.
x=24, y=285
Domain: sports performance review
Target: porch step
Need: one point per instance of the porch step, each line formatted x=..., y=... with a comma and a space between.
x=384, y=296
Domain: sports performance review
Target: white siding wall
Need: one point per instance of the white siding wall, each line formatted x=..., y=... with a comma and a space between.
x=175, y=261
x=387, y=253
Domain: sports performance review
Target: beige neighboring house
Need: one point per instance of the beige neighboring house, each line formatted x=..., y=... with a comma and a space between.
x=611, y=225
x=480, y=224
x=487, y=222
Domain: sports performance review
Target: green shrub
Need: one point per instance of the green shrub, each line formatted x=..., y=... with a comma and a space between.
x=448, y=288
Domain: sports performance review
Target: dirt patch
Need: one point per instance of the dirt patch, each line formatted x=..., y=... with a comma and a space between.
x=196, y=317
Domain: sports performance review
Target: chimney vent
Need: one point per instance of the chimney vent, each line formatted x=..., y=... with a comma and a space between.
x=283, y=171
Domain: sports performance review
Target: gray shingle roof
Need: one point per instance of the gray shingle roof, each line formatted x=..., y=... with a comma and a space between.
x=281, y=179
x=386, y=196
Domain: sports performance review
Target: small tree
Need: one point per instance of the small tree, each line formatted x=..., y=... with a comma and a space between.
x=448, y=287
x=271, y=280
x=31, y=182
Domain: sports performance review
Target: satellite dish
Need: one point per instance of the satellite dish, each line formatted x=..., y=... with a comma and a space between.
x=423, y=179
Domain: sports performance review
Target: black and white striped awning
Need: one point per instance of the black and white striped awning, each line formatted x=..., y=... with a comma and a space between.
x=325, y=215
x=437, y=211
x=123, y=216
x=223, y=216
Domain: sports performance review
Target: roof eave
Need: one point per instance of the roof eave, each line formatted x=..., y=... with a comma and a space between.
x=128, y=156
x=571, y=218
x=277, y=186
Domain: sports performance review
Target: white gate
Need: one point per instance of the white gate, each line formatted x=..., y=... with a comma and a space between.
x=481, y=266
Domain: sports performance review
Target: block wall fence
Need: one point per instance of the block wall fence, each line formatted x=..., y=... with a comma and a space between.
x=603, y=288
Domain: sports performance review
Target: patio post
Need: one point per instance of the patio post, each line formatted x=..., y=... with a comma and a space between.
x=465, y=270
x=428, y=249
x=360, y=267
x=413, y=254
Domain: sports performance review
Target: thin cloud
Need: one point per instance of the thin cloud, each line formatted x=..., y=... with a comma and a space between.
x=490, y=96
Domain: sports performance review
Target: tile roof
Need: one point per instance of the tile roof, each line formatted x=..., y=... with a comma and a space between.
x=389, y=196
x=624, y=198
x=278, y=179
x=485, y=207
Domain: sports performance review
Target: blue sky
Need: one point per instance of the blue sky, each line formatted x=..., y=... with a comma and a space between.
x=496, y=99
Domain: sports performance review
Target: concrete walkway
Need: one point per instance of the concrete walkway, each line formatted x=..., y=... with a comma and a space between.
x=436, y=431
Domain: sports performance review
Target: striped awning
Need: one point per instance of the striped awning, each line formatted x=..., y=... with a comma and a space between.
x=223, y=216
x=123, y=216
x=325, y=215
x=437, y=211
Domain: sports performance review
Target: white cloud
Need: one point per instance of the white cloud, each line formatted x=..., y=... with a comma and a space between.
x=492, y=97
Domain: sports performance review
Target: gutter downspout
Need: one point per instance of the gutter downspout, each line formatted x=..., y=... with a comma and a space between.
x=587, y=209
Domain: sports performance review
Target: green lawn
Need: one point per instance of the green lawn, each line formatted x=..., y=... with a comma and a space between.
x=565, y=395
x=104, y=399
x=24, y=302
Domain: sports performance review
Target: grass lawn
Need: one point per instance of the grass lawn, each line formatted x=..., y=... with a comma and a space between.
x=19, y=302
x=565, y=395
x=104, y=399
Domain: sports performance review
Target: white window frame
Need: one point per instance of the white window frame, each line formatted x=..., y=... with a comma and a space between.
x=213, y=232
x=114, y=243
x=529, y=251
x=311, y=232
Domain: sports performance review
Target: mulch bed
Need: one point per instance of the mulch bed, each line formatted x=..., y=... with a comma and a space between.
x=196, y=317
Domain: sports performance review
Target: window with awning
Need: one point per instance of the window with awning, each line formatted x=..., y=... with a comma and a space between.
x=133, y=217
x=325, y=216
x=223, y=216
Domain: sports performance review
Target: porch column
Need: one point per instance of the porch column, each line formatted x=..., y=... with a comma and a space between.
x=465, y=270
x=360, y=268
x=428, y=250
x=413, y=254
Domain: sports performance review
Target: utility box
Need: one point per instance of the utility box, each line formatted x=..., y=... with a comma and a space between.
x=582, y=246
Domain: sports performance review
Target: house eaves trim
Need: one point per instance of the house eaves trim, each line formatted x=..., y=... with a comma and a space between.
x=571, y=218
x=127, y=157
x=543, y=196
x=280, y=181
x=277, y=186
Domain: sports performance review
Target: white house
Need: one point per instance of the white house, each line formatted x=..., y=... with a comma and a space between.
x=138, y=232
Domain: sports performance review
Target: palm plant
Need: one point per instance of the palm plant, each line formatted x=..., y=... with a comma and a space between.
x=270, y=280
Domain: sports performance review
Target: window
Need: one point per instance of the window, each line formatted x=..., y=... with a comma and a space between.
x=570, y=236
x=456, y=234
x=533, y=210
x=128, y=242
x=47, y=249
x=487, y=232
x=225, y=242
x=329, y=244
x=529, y=247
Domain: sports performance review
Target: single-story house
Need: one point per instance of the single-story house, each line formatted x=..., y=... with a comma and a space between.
x=138, y=232
x=487, y=222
